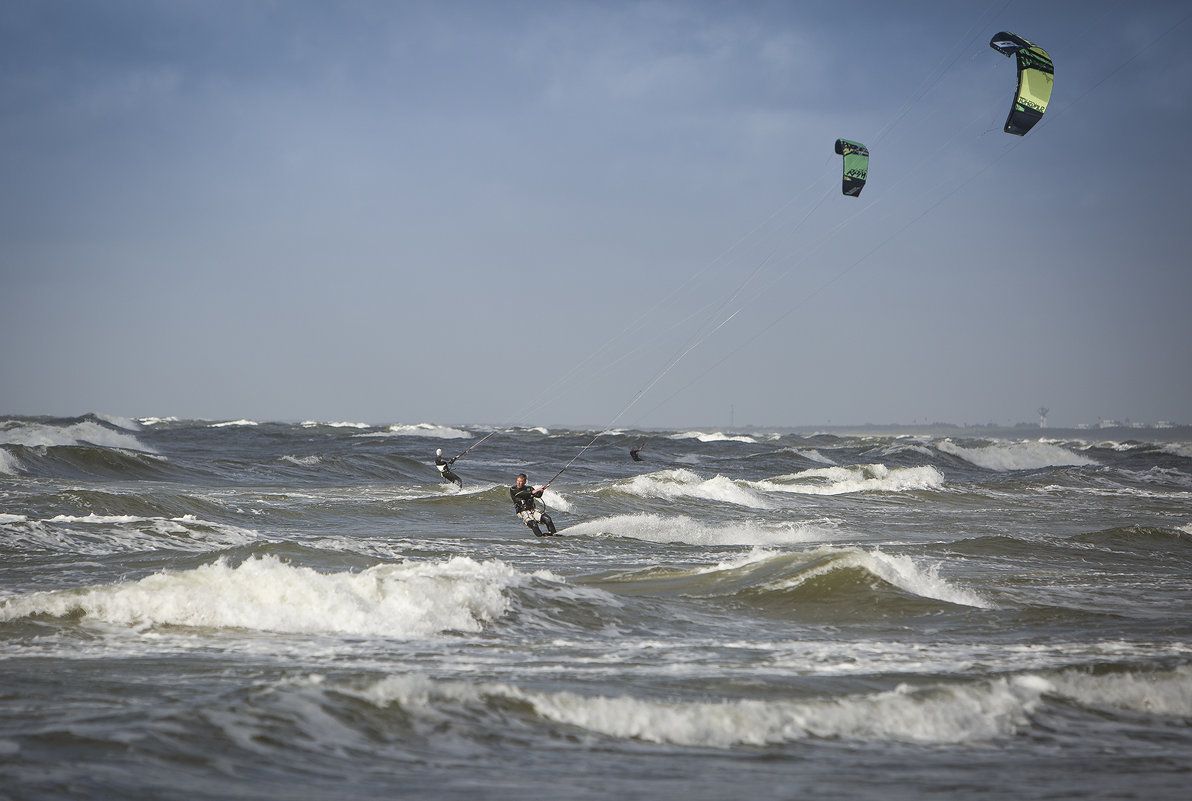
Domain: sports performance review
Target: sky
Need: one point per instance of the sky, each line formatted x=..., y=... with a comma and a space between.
x=607, y=214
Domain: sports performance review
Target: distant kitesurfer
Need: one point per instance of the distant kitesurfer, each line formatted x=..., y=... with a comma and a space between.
x=523, y=503
x=444, y=466
x=634, y=453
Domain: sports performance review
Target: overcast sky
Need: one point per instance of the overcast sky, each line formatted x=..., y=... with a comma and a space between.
x=592, y=212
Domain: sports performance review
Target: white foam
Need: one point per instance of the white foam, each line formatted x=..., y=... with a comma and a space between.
x=1158, y=693
x=1031, y=455
x=554, y=500
x=304, y=461
x=856, y=478
x=901, y=571
x=318, y=424
x=814, y=456
x=231, y=423
x=41, y=435
x=120, y=422
x=1183, y=449
x=934, y=714
x=414, y=599
x=96, y=534
x=152, y=421
x=423, y=430
x=9, y=464
x=682, y=483
x=657, y=528
x=715, y=436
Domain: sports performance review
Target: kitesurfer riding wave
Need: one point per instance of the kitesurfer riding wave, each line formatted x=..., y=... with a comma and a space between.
x=523, y=503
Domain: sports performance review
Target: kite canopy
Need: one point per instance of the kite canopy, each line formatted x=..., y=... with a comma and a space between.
x=856, y=166
x=1035, y=76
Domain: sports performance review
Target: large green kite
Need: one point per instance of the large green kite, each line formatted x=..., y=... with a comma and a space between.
x=1035, y=76
x=856, y=166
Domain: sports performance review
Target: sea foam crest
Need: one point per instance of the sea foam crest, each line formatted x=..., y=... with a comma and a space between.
x=86, y=432
x=682, y=483
x=1161, y=693
x=1165, y=692
x=415, y=599
x=424, y=430
x=715, y=436
x=680, y=528
x=106, y=534
x=855, y=478
x=9, y=464
x=900, y=571
x=319, y=424
x=1032, y=455
x=933, y=714
x=1182, y=449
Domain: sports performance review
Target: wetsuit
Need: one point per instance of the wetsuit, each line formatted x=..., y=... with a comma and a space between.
x=633, y=452
x=523, y=504
x=445, y=470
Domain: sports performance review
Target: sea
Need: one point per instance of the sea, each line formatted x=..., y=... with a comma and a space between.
x=197, y=609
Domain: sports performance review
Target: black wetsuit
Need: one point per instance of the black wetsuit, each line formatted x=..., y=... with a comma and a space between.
x=633, y=452
x=445, y=471
x=523, y=504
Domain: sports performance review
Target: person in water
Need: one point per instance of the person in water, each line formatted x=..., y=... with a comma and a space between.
x=444, y=466
x=523, y=503
x=634, y=453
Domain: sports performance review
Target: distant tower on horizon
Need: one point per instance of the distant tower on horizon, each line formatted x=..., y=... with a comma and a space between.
x=1043, y=410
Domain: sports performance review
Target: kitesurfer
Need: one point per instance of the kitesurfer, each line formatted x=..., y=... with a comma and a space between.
x=523, y=503
x=444, y=466
x=634, y=453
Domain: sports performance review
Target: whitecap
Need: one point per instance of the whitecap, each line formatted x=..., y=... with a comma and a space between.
x=856, y=478
x=1027, y=455
x=412, y=599
x=680, y=528
x=715, y=436
x=422, y=430
x=34, y=435
x=942, y=714
x=683, y=483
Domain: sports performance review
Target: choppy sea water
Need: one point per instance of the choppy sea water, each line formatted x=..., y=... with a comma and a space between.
x=198, y=610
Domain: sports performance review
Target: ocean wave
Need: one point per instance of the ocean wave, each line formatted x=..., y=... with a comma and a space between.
x=97, y=534
x=318, y=424
x=1006, y=456
x=1181, y=449
x=715, y=436
x=85, y=432
x=154, y=421
x=234, y=424
x=120, y=422
x=408, y=600
x=421, y=430
x=978, y=712
x=682, y=484
x=935, y=714
x=302, y=461
x=667, y=529
x=813, y=455
x=844, y=581
x=856, y=478
x=900, y=571
x=1161, y=692
x=10, y=465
